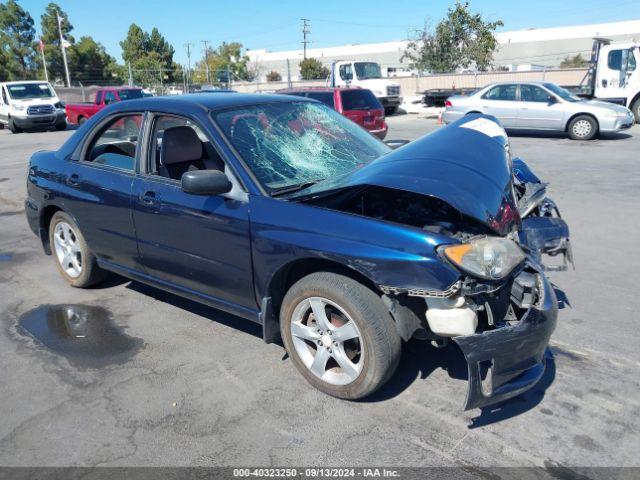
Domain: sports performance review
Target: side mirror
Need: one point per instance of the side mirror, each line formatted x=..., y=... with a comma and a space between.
x=552, y=100
x=205, y=182
x=393, y=144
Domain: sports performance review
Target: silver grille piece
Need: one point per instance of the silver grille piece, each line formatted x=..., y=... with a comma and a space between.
x=40, y=110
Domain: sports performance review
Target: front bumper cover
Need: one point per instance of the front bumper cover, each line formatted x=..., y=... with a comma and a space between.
x=507, y=361
x=39, y=121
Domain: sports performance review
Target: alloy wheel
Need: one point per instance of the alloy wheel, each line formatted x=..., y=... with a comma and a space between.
x=67, y=248
x=327, y=340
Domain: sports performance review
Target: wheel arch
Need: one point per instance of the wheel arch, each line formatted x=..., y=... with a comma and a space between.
x=580, y=114
x=288, y=274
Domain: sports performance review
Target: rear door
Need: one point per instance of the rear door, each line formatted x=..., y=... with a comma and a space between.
x=501, y=102
x=98, y=190
x=198, y=244
x=4, y=105
x=539, y=109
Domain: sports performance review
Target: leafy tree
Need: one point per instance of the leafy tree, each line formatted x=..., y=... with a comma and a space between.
x=312, y=69
x=91, y=64
x=228, y=57
x=51, y=38
x=274, y=76
x=461, y=40
x=150, y=56
x=17, y=36
x=574, y=62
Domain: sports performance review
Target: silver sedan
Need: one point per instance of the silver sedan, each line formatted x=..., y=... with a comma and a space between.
x=541, y=106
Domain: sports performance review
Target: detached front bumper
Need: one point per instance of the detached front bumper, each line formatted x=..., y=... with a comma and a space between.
x=509, y=360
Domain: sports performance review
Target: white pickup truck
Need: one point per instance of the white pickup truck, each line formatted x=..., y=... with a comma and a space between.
x=367, y=75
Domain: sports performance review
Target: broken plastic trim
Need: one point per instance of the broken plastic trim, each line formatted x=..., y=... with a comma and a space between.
x=419, y=292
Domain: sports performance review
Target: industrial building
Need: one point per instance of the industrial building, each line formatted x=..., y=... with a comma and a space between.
x=518, y=50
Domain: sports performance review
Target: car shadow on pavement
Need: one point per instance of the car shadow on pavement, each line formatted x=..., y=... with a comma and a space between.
x=196, y=308
x=565, y=136
x=420, y=359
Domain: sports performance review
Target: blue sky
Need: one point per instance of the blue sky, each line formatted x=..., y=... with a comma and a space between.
x=276, y=25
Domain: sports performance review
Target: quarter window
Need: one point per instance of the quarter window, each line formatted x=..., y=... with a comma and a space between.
x=614, y=60
x=501, y=92
x=324, y=97
x=116, y=143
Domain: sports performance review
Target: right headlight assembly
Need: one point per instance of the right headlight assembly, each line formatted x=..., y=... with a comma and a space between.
x=489, y=258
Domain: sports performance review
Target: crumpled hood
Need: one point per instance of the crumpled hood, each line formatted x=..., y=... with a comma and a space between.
x=465, y=164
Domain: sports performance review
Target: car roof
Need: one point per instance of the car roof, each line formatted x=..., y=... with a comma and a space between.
x=519, y=82
x=22, y=82
x=209, y=102
x=318, y=89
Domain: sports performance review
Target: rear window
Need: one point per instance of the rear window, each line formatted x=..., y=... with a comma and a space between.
x=324, y=97
x=130, y=94
x=359, y=100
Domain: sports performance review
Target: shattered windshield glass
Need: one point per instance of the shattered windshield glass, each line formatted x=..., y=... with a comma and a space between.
x=289, y=145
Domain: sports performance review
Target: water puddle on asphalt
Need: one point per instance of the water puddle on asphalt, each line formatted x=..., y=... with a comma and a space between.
x=85, y=335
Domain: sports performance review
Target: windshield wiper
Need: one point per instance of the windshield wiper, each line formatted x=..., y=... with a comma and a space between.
x=292, y=188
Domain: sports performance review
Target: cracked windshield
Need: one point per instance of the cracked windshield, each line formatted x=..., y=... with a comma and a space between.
x=290, y=146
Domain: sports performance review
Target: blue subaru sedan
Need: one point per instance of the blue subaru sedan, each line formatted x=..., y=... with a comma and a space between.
x=279, y=210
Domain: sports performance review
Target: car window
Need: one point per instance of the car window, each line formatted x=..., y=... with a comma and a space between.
x=294, y=143
x=178, y=145
x=501, y=92
x=359, y=100
x=109, y=97
x=25, y=91
x=532, y=93
x=130, y=94
x=116, y=143
x=346, y=73
x=324, y=97
x=4, y=96
x=614, y=60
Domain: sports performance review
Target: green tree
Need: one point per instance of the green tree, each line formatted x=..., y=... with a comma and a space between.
x=312, y=69
x=17, y=39
x=51, y=39
x=574, y=62
x=461, y=40
x=228, y=57
x=274, y=76
x=91, y=64
x=149, y=55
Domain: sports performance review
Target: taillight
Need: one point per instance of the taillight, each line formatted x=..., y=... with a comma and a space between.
x=447, y=104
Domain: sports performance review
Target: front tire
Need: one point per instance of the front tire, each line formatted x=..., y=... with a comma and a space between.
x=635, y=108
x=61, y=126
x=339, y=335
x=13, y=127
x=583, y=127
x=75, y=261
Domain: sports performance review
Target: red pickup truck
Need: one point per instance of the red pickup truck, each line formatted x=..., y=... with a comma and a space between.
x=78, y=113
x=357, y=104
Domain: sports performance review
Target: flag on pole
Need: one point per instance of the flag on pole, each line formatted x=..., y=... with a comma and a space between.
x=65, y=43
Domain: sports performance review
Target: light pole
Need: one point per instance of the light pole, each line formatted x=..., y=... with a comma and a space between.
x=63, y=41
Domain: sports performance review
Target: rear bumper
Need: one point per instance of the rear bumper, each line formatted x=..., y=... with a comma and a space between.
x=390, y=101
x=507, y=361
x=449, y=116
x=380, y=133
x=39, y=121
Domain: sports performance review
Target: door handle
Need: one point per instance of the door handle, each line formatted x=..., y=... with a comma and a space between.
x=73, y=180
x=148, y=198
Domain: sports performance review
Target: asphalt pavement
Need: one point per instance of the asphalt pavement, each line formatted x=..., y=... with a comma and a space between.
x=170, y=382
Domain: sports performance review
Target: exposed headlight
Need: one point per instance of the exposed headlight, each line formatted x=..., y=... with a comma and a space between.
x=487, y=257
x=19, y=107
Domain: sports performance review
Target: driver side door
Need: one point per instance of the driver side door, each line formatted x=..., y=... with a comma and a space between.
x=198, y=245
x=539, y=109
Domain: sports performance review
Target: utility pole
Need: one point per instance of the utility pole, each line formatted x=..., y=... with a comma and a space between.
x=130, y=75
x=64, y=52
x=288, y=74
x=187, y=78
x=305, y=32
x=206, y=58
x=44, y=61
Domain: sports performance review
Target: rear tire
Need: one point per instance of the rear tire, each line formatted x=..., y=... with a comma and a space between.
x=353, y=349
x=635, y=108
x=81, y=120
x=583, y=127
x=1, y=126
x=388, y=111
x=61, y=126
x=73, y=257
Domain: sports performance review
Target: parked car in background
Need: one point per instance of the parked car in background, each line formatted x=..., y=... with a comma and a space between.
x=281, y=211
x=78, y=113
x=355, y=103
x=30, y=105
x=541, y=106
